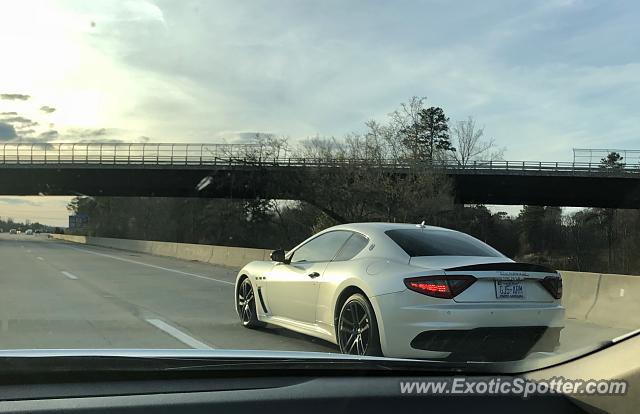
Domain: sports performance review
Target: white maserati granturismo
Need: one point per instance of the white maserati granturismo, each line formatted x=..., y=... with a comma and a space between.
x=405, y=291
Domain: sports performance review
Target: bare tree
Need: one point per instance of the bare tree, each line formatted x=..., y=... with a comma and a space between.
x=408, y=115
x=271, y=146
x=373, y=181
x=318, y=148
x=261, y=147
x=470, y=146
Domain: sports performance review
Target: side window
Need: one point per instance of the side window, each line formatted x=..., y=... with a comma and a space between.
x=353, y=246
x=322, y=248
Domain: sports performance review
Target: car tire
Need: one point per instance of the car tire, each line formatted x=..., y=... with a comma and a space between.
x=357, y=328
x=246, y=305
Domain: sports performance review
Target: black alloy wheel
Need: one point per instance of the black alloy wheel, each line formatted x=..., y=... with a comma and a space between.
x=357, y=328
x=246, y=305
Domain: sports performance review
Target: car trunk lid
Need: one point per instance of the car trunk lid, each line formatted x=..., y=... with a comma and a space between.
x=498, y=280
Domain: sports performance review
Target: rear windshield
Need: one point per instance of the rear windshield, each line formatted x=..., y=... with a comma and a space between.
x=419, y=242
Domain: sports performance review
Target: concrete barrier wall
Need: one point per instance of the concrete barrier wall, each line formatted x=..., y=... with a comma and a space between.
x=604, y=299
x=618, y=302
x=75, y=239
x=217, y=255
x=579, y=293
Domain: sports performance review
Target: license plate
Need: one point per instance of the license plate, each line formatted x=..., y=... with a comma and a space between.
x=509, y=289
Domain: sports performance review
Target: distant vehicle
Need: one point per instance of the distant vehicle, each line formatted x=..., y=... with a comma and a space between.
x=29, y=232
x=13, y=231
x=37, y=232
x=19, y=231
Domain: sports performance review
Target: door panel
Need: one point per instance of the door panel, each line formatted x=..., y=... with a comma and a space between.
x=292, y=293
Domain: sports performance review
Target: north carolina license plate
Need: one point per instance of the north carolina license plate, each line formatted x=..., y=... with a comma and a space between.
x=509, y=289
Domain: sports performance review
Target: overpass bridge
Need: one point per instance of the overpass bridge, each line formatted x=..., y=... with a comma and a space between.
x=251, y=171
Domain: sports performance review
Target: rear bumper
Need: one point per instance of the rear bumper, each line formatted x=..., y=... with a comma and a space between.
x=414, y=326
x=491, y=344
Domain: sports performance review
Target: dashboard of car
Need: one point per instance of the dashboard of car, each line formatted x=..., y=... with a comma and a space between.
x=278, y=391
x=261, y=395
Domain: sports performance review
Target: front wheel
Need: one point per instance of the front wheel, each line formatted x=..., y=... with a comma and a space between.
x=357, y=328
x=246, y=305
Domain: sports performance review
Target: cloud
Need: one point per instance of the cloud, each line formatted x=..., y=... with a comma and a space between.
x=28, y=136
x=323, y=69
x=101, y=141
x=18, y=120
x=21, y=125
x=7, y=132
x=18, y=129
x=41, y=142
x=88, y=132
x=242, y=137
x=91, y=135
x=47, y=109
x=101, y=135
x=14, y=96
x=527, y=71
x=48, y=135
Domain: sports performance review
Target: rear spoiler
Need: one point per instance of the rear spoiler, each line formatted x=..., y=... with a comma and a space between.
x=505, y=266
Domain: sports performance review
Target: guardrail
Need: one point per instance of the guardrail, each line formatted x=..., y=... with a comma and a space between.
x=254, y=155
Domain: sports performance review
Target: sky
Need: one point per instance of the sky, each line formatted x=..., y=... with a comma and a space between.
x=541, y=77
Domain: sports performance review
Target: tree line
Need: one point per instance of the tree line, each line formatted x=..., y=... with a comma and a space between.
x=9, y=223
x=599, y=240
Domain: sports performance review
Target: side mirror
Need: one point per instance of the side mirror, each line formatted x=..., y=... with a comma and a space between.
x=278, y=256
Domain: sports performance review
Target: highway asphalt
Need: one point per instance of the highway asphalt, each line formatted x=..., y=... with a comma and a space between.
x=56, y=295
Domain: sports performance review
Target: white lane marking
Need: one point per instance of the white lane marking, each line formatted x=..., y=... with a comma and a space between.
x=153, y=266
x=178, y=334
x=39, y=258
x=69, y=275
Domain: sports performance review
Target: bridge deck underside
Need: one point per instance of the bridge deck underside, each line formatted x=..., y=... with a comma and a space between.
x=509, y=187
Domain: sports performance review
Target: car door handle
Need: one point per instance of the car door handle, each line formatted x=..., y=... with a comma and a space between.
x=314, y=275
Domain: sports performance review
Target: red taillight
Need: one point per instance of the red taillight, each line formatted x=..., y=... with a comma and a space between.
x=445, y=287
x=553, y=284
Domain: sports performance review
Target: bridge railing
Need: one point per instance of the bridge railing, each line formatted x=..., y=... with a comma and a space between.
x=123, y=153
x=163, y=154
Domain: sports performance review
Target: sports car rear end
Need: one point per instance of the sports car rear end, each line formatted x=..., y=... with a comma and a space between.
x=485, y=311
